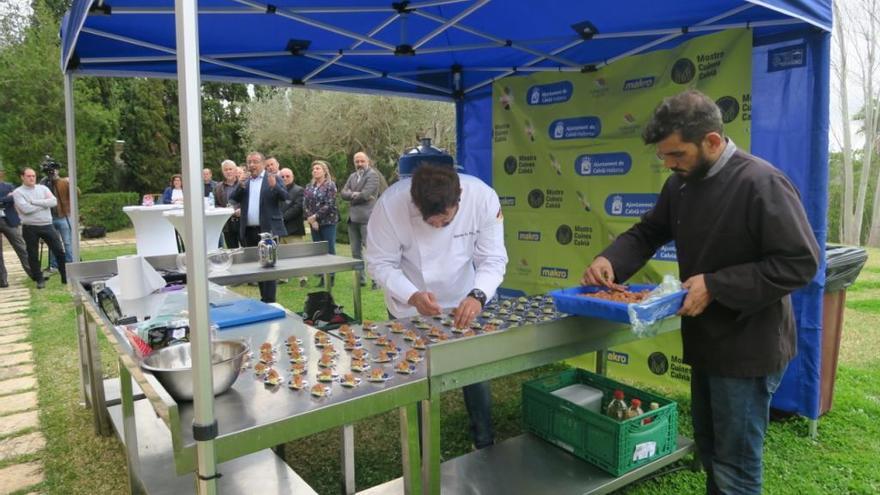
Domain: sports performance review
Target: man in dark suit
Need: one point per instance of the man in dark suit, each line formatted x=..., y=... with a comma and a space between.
x=260, y=198
x=292, y=210
x=9, y=226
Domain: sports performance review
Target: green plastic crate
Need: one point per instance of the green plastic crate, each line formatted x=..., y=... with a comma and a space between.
x=614, y=446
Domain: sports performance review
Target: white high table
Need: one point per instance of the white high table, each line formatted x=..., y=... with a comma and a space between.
x=153, y=234
x=215, y=218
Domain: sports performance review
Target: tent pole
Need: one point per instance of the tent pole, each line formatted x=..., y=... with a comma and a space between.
x=373, y=32
x=70, y=121
x=448, y=24
x=189, y=100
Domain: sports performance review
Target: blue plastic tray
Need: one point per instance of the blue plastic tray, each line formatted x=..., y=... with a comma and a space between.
x=242, y=312
x=568, y=301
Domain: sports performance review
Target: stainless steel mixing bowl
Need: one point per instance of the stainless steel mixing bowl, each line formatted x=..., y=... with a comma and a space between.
x=172, y=366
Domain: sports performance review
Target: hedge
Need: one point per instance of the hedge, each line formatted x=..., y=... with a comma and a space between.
x=105, y=209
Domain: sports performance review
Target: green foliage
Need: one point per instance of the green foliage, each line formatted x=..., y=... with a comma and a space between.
x=342, y=227
x=32, y=106
x=105, y=209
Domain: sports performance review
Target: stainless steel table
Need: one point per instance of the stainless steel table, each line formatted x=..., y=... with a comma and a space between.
x=536, y=336
x=251, y=416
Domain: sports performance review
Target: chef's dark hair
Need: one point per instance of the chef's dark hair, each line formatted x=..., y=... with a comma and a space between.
x=435, y=188
x=691, y=113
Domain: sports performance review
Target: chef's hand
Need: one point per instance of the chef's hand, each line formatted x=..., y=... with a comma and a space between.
x=600, y=272
x=466, y=312
x=698, y=296
x=271, y=180
x=425, y=303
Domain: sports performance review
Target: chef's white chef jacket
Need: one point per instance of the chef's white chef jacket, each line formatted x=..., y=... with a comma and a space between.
x=404, y=254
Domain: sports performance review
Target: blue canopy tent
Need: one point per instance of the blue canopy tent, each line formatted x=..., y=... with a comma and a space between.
x=453, y=50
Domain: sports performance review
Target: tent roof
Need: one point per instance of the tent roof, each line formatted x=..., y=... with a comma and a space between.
x=430, y=49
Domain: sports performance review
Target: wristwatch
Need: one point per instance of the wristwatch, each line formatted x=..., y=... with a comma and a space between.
x=479, y=296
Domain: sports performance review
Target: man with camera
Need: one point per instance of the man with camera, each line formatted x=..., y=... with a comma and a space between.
x=34, y=202
x=60, y=188
x=9, y=226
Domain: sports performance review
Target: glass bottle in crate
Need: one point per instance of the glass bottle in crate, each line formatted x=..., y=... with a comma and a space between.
x=617, y=407
x=651, y=408
x=635, y=409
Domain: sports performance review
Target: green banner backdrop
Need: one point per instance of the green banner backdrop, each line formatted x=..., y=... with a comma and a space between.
x=572, y=172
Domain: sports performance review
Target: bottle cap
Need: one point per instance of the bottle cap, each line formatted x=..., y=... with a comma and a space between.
x=618, y=394
x=635, y=403
x=654, y=405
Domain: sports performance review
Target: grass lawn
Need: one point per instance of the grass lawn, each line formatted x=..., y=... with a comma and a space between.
x=843, y=460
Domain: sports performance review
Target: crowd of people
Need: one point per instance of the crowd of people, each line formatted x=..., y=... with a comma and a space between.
x=266, y=198
x=33, y=212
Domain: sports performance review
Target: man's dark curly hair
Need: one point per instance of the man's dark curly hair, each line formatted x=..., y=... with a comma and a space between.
x=691, y=113
x=435, y=188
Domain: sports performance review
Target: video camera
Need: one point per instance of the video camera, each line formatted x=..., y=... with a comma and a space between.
x=49, y=166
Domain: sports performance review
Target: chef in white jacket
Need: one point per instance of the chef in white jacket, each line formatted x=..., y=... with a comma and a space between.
x=434, y=242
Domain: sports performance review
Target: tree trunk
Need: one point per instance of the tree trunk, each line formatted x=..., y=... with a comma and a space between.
x=847, y=217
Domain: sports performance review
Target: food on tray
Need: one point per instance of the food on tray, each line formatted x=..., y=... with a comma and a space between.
x=325, y=375
x=420, y=343
x=397, y=327
x=370, y=325
x=326, y=361
x=548, y=310
x=261, y=368
x=377, y=375
x=358, y=354
x=624, y=296
x=404, y=367
x=298, y=369
x=410, y=335
x=322, y=340
x=522, y=299
x=359, y=365
x=413, y=356
x=468, y=333
x=496, y=322
x=292, y=341
x=489, y=328
x=297, y=382
x=351, y=343
x=382, y=341
x=370, y=335
x=514, y=318
x=267, y=357
x=476, y=325
x=503, y=311
x=349, y=380
x=382, y=357
x=487, y=314
x=416, y=319
x=266, y=347
x=272, y=377
x=345, y=330
x=422, y=325
x=506, y=303
x=446, y=322
x=320, y=390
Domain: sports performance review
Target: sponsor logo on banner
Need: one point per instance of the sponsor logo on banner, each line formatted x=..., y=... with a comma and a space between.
x=618, y=357
x=618, y=163
x=630, y=124
x=683, y=71
x=507, y=200
x=523, y=268
x=787, y=57
x=564, y=235
x=629, y=204
x=583, y=235
x=729, y=108
x=528, y=236
x=600, y=87
x=575, y=128
x=747, y=106
x=554, y=272
x=709, y=64
x=678, y=369
x=536, y=198
x=510, y=165
x=548, y=94
x=638, y=83
x=658, y=363
x=666, y=252
x=501, y=132
x=506, y=98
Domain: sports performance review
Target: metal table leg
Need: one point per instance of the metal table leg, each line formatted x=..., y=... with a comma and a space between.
x=348, y=459
x=431, y=443
x=410, y=453
x=129, y=427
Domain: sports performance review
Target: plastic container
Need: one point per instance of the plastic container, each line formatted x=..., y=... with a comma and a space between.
x=583, y=395
x=616, y=447
x=569, y=301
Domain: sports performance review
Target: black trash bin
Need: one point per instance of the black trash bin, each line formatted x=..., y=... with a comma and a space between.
x=842, y=267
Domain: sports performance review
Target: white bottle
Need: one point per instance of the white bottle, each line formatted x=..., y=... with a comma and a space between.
x=209, y=200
